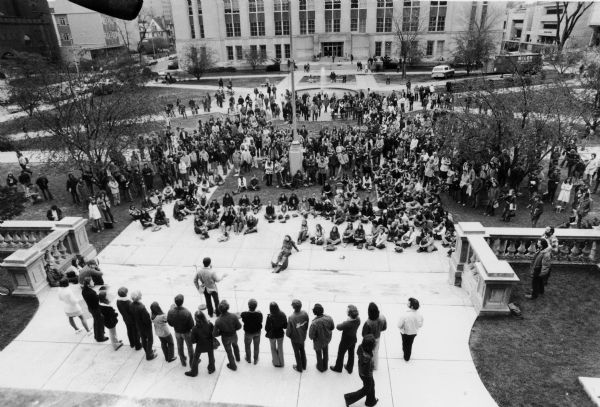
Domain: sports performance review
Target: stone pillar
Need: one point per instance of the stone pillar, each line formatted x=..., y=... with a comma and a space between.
x=295, y=157
x=461, y=255
x=26, y=268
x=77, y=238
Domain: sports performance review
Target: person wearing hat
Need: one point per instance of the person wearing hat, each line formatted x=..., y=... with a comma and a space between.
x=296, y=330
x=320, y=333
x=348, y=341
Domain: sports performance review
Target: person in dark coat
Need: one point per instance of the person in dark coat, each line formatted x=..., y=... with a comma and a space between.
x=42, y=183
x=226, y=326
x=110, y=319
x=93, y=303
x=275, y=327
x=348, y=341
x=143, y=324
x=54, y=213
x=124, y=307
x=297, y=327
x=365, y=371
x=320, y=333
x=180, y=318
x=72, y=182
x=202, y=337
x=252, y=320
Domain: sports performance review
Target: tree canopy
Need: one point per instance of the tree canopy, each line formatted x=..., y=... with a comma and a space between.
x=197, y=60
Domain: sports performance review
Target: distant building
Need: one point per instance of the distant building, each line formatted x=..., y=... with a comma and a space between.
x=26, y=26
x=86, y=34
x=361, y=28
x=157, y=8
x=532, y=26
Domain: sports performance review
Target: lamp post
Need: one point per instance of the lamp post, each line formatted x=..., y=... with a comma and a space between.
x=295, y=155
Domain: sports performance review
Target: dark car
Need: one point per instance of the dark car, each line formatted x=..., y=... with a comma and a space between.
x=173, y=65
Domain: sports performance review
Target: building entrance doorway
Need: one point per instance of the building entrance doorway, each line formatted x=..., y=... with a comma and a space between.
x=330, y=49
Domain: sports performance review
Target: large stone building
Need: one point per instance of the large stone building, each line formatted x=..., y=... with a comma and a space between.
x=86, y=34
x=26, y=26
x=361, y=28
x=532, y=26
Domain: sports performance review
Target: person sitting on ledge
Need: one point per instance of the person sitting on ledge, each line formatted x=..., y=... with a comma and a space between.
x=270, y=212
x=348, y=236
x=251, y=224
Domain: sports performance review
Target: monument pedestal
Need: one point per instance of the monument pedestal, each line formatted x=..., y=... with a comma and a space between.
x=295, y=157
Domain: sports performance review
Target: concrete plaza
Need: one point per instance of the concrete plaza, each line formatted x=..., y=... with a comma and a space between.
x=48, y=355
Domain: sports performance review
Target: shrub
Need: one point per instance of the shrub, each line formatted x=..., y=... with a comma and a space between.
x=12, y=202
x=219, y=69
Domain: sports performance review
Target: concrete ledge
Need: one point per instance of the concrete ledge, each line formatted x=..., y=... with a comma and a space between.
x=591, y=385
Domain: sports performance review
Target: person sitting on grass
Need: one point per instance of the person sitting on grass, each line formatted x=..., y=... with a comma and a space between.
x=298, y=180
x=282, y=199
x=334, y=237
x=244, y=200
x=227, y=200
x=359, y=236
x=270, y=212
x=251, y=224
x=254, y=183
x=348, y=236
x=204, y=185
x=160, y=217
x=319, y=237
x=293, y=202
x=256, y=204
x=242, y=184
x=215, y=179
x=327, y=190
x=426, y=245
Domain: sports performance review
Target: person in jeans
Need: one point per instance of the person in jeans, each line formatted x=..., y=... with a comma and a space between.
x=297, y=328
x=348, y=341
x=374, y=325
x=320, y=333
x=365, y=371
x=143, y=324
x=252, y=320
x=93, y=303
x=182, y=322
x=206, y=282
x=275, y=328
x=123, y=305
x=202, y=336
x=409, y=324
x=159, y=320
x=226, y=326
x=110, y=318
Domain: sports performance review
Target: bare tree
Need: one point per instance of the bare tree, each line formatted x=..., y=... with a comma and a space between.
x=254, y=57
x=407, y=33
x=196, y=60
x=566, y=20
x=475, y=46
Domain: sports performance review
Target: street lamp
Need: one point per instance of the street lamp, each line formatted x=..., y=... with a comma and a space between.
x=295, y=155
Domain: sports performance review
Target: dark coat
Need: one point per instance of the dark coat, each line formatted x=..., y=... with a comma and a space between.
x=141, y=317
x=202, y=336
x=58, y=212
x=91, y=298
x=180, y=319
x=275, y=325
x=110, y=316
x=124, y=307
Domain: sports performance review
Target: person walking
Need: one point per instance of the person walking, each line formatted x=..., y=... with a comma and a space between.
x=71, y=306
x=374, y=325
x=206, y=283
x=161, y=327
x=348, y=341
x=275, y=327
x=143, y=324
x=537, y=208
x=320, y=333
x=540, y=268
x=110, y=318
x=297, y=327
x=124, y=307
x=252, y=320
x=93, y=303
x=202, y=336
x=409, y=324
x=226, y=326
x=182, y=322
x=365, y=372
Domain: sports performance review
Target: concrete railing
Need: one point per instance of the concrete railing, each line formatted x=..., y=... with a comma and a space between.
x=481, y=262
x=35, y=244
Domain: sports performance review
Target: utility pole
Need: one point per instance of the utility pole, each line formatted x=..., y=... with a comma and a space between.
x=295, y=157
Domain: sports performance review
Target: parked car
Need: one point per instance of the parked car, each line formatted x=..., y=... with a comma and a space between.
x=442, y=71
x=173, y=65
x=274, y=66
x=153, y=62
x=172, y=57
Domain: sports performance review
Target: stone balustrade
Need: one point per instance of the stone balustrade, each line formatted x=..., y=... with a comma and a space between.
x=47, y=243
x=481, y=262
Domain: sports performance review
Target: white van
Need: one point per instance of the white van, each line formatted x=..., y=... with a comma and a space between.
x=442, y=71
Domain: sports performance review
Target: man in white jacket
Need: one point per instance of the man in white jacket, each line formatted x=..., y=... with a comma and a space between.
x=410, y=323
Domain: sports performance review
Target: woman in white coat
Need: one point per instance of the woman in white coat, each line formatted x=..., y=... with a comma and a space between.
x=71, y=306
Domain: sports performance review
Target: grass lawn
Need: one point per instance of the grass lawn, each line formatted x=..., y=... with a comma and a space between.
x=15, y=314
x=316, y=79
x=535, y=361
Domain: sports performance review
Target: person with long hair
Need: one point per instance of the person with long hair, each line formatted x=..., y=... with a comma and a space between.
x=410, y=323
x=71, y=306
x=365, y=371
x=349, y=328
x=374, y=325
x=202, y=337
x=275, y=326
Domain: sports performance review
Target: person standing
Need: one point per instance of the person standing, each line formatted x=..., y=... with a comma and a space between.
x=124, y=307
x=297, y=328
x=374, y=326
x=71, y=305
x=226, y=326
x=93, y=303
x=42, y=183
x=320, y=333
x=584, y=207
x=275, y=327
x=252, y=320
x=365, y=372
x=110, y=318
x=348, y=341
x=206, y=282
x=182, y=322
x=202, y=336
x=409, y=324
x=161, y=327
x=143, y=324
x=540, y=268
x=537, y=208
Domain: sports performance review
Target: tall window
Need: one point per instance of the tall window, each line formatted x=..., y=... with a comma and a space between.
x=307, y=17
x=333, y=14
x=287, y=50
x=282, y=23
x=388, y=48
x=278, y=51
x=229, y=53
x=378, y=48
x=256, y=10
x=410, y=15
x=358, y=16
x=263, y=51
x=385, y=15
x=191, y=15
x=473, y=15
x=429, y=48
x=440, y=48
x=239, y=52
x=232, y=18
x=200, y=19
x=437, y=16
x=484, y=9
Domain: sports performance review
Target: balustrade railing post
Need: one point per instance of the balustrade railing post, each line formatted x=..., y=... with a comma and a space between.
x=77, y=238
x=461, y=255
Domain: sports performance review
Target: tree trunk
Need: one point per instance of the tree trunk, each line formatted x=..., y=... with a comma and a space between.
x=404, y=68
